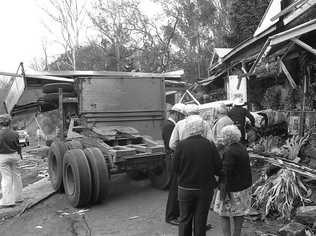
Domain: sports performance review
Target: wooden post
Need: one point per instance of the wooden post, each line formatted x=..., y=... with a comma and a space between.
x=61, y=114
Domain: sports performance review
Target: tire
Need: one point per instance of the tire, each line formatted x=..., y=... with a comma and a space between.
x=73, y=144
x=53, y=88
x=160, y=177
x=99, y=174
x=136, y=175
x=77, y=178
x=52, y=98
x=55, y=165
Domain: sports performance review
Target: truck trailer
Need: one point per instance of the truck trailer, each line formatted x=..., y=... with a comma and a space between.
x=108, y=124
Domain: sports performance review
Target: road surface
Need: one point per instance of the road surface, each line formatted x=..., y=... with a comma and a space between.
x=132, y=209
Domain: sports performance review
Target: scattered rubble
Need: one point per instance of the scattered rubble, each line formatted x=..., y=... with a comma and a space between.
x=292, y=229
x=306, y=215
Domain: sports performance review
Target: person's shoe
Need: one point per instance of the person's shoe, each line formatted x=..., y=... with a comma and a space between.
x=208, y=227
x=173, y=222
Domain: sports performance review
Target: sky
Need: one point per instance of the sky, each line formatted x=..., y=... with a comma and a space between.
x=23, y=31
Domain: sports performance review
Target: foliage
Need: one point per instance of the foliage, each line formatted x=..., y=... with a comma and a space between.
x=280, y=193
x=244, y=18
x=294, y=144
x=268, y=144
x=90, y=57
x=69, y=16
x=134, y=38
x=201, y=25
x=182, y=36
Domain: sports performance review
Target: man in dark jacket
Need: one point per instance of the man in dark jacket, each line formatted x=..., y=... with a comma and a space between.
x=238, y=115
x=196, y=164
x=172, y=209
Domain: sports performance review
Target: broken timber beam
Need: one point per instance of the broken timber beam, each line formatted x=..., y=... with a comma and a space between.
x=304, y=45
x=286, y=164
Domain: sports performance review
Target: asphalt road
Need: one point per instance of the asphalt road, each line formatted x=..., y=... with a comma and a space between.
x=132, y=209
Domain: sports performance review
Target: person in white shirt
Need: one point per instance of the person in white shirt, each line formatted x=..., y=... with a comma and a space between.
x=180, y=132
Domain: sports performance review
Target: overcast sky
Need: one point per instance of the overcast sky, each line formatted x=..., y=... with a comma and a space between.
x=22, y=32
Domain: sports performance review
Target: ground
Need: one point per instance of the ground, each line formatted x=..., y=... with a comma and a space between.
x=133, y=208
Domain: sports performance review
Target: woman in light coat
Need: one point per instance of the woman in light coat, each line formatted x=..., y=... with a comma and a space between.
x=10, y=155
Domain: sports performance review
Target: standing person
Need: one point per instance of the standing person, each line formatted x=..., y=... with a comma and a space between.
x=238, y=114
x=10, y=155
x=172, y=209
x=196, y=164
x=41, y=137
x=234, y=198
x=180, y=131
x=221, y=120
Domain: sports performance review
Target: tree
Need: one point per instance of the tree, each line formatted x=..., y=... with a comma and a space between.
x=244, y=17
x=69, y=16
x=41, y=63
x=115, y=21
x=89, y=57
x=137, y=41
x=199, y=27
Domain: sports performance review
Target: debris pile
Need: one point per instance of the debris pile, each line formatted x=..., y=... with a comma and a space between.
x=284, y=191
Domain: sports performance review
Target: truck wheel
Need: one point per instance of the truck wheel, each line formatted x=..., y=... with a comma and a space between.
x=99, y=173
x=55, y=164
x=160, y=176
x=53, y=88
x=136, y=175
x=77, y=178
x=73, y=144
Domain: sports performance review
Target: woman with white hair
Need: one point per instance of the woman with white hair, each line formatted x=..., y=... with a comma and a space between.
x=234, y=198
x=10, y=152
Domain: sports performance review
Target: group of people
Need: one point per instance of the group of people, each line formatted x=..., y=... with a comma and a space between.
x=210, y=162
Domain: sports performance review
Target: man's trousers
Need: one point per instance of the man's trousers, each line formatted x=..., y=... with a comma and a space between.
x=172, y=209
x=194, y=208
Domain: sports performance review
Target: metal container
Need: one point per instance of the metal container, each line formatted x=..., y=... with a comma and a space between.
x=137, y=102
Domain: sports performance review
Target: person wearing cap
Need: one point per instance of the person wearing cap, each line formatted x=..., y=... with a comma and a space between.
x=10, y=155
x=196, y=162
x=238, y=114
x=180, y=131
x=176, y=114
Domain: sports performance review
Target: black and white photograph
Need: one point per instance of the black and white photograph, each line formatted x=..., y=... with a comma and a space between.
x=158, y=118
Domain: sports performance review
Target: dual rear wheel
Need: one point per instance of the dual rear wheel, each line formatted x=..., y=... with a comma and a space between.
x=82, y=174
